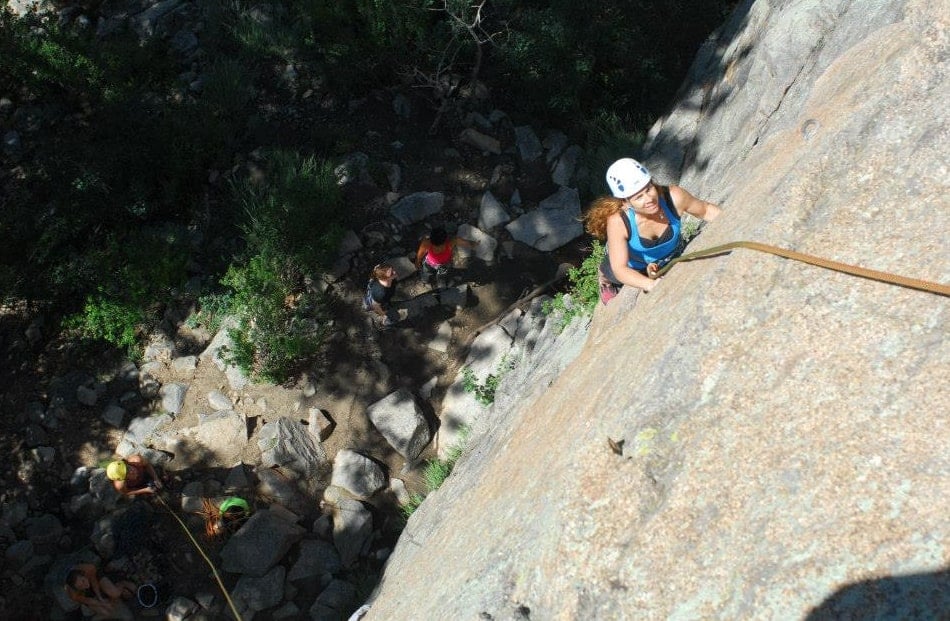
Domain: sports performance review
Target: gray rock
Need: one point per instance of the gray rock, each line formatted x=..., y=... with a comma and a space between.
x=350, y=243
x=173, y=397
x=180, y=609
x=480, y=141
x=491, y=212
x=86, y=395
x=319, y=423
x=159, y=348
x=222, y=431
x=353, y=170
x=288, y=444
x=113, y=415
x=259, y=544
x=259, y=593
x=44, y=455
x=352, y=530
x=317, y=560
x=529, y=147
x=563, y=171
x=191, y=497
x=236, y=479
x=219, y=401
x=18, y=553
x=400, y=420
x=281, y=488
x=334, y=602
x=443, y=336
x=399, y=490
x=485, y=250
x=151, y=22
x=185, y=366
x=554, y=142
x=555, y=223
x=774, y=426
x=417, y=207
x=11, y=142
x=357, y=474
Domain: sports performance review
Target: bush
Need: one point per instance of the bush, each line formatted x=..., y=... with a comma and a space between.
x=279, y=326
x=484, y=392
x=113, y=321
x=292, y=228
x=584, y=291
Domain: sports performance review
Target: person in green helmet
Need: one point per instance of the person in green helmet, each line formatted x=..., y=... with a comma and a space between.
x=234, y=511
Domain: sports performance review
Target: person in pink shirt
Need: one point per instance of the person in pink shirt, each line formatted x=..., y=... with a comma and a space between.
x=434, y=257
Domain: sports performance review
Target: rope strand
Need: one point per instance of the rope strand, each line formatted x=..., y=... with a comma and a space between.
x=854, y=270
x=214, y=570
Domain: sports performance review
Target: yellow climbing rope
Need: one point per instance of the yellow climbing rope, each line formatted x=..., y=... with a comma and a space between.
x=214, y=570
x=854, y=270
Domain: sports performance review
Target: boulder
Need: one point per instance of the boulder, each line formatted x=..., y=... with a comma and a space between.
x=400, y=420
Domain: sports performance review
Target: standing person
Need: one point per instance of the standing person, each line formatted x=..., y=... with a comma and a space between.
x=641, y=223
x=103, y=596
x=133, y=476
x=434, y=256
x=379, y=294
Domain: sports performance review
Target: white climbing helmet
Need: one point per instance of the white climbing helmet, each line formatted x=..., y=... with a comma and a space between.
x=626, y=177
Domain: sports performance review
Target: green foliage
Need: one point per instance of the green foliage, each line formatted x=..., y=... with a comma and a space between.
x=584, y=292
x=609, y=140
x=212, y=310
x=278, y=325
x=484, y=392
x=295, y=211
x=108, y=319
x=148, y=264
x=436, y=471
x=292, y=228
x=626, y=58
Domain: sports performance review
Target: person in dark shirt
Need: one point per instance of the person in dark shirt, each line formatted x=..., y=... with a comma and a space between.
x=379, y=295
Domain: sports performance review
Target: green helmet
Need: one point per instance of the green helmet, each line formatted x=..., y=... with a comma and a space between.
x=234, y=503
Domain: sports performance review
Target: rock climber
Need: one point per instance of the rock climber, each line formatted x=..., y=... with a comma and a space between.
x=641, y=222
x=133, y=476
x=434, y=256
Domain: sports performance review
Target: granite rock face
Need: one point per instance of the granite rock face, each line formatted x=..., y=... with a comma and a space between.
x=778, y=432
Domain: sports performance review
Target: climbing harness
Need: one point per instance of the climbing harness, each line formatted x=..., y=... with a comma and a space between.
x=854, y=270
x=214, y=570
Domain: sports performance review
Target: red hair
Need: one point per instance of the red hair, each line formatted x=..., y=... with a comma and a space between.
x=602, y=207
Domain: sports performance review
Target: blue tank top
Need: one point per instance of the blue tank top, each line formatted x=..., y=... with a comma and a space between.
x=639, y=255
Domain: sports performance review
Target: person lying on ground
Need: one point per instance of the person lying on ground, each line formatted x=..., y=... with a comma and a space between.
x=133, y=476
x=434, y=256
x=379, y=294
x=102, y=595
x=641, y=222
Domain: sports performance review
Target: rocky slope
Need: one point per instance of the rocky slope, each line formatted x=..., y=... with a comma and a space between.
x=778, y=431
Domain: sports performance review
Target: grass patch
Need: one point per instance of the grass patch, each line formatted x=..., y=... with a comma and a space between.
x=436, y=471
